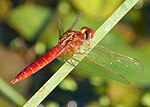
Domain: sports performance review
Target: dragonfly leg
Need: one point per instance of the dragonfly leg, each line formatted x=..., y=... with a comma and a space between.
x=71, y=60
x=80, y=51
x=87, y=42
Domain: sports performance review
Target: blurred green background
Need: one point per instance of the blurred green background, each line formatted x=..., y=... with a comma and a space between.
x=28, y=28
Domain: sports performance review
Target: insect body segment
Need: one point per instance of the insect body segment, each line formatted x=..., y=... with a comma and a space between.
x=73, y=40
x=39, y=63
x=67, y=46
x=100, y=61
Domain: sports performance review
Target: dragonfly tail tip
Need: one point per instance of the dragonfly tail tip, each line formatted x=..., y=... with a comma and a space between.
x=14, y=81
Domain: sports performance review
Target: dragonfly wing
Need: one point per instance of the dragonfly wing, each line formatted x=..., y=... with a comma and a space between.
x=107, y=63
x=60, y=27
x=116, y=62
x=93, y=68
x=75, y=22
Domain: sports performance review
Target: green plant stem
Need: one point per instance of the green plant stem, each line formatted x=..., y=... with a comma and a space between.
x=11, y=93
x=39, y=96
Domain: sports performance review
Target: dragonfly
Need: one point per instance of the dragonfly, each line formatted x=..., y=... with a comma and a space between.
x=100, y=60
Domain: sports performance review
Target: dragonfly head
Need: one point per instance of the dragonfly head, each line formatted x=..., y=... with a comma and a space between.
x=88, y=32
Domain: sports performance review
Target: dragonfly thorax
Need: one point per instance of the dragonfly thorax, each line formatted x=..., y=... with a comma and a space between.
x=73, y=40
x=85, y=34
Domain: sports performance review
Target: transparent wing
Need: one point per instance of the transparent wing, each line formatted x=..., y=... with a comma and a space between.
x=117, y=62
x=60, y=27
x=107, y=63
x=75, y=22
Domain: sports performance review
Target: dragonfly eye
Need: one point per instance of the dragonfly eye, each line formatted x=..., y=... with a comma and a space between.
x=88, y=32
x=83, y=29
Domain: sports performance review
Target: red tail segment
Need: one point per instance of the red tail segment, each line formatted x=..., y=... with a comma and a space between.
x=39, y=63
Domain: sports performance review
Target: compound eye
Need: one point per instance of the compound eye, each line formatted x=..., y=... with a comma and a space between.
x=83, y=29
x=90, y=33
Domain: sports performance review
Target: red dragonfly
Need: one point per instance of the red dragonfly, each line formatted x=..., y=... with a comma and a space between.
x=100, y=60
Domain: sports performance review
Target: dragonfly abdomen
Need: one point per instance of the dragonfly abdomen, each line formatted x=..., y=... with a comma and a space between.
x=39, y=63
